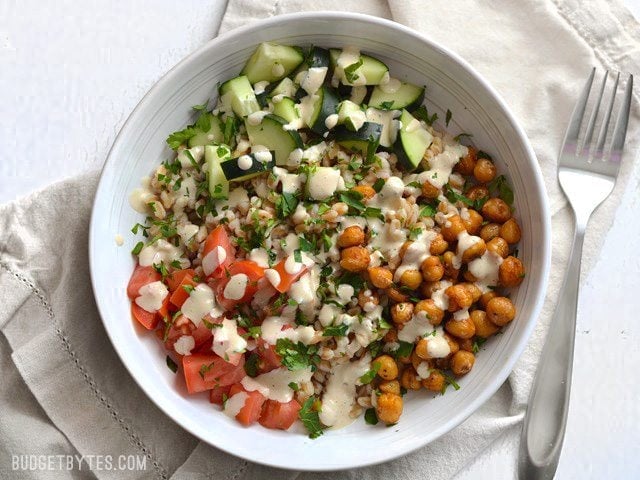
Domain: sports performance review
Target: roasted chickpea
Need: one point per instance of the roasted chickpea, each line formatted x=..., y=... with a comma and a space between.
x=484, y=328
x=453, y=227
x=403, y=249
x=489, y=231
x=467, y=163
x=391, y=335
x=496, y=210
x=366, y=191
x=477, y=192
x=462, y=362
x=468, y=276
x=410, y=379
x=510, y=231
x=381, y=277
x=392, y=386
x=402, y=312
x=351, y=236
x=438, y=245
x=511, y=272
x=434, y=382
x=396, y=295
x=432, y=269
x=472, y=221
x=499, y=246
x=474, y=251
x=453, y=343
x=475, y=292
x=416, y=361
x=389, y=408
x=355, y=259
x=461, y=328
x=430, y=191
x=367, y=298
x=388, y=369
x=466, y=344
x=484, y=171
x=459, y=297
x=500, y=311
x=422, y=349
x=449, y=260
x=434, y=314
x=411, y=279
x=484, y=299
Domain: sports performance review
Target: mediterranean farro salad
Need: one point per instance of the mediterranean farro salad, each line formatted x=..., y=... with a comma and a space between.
x=316, y=247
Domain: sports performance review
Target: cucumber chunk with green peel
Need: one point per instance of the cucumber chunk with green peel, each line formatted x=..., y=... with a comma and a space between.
x=270, y=133
x=325, y=103
x=404, y=95
x=318, y=57
x=351, y=115
x=214, y=135
x=366, y=70
x=286, y=108
x=247, y=166
x=238, y=94
x=412, y=142
x=364, y=141
x=271, y=62
x=214, y=155
x=285, y=87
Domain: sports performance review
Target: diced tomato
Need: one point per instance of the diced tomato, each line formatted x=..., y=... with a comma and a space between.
x=147, y=319
x=270, y=359
x=180, y=326
x=279, y=415
x=250, y=412
x=215, y=372
x=174, y=279
x=217, y=394
x=201, y=334
x=218, y=237
x=180, y=294
x=140, y=277
x=287, y=279
x=163, y=311
x=252, y=270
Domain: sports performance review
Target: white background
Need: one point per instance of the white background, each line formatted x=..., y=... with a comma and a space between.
x=69, y=76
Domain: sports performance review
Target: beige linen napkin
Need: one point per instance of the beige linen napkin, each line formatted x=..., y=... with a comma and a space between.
x=65, y=392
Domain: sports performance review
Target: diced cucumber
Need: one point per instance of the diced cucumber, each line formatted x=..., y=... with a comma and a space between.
x=351, y=115
x=285, y=87
x=407, y=96
x=214, y=155
x=272, y=62
x=286, y=108
x=214, y=135
x=413, y=140
x=271, y=134
x=247, y=166
x=238, y=93
x=364, y=141
x=322, y=182
x=372, y=69
x=325, y=104
x=318, y=57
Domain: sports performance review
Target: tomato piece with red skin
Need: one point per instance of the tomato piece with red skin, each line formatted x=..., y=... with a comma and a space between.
x=148, y=320
x=279, y=415
x=173, y=279
x=140, y=277
x=270, y=360
x=215, y=372
x=218, y=237
x=250, y=412
x=181, y=293
x=252, y=270
x=217, y=395
x=287, y=279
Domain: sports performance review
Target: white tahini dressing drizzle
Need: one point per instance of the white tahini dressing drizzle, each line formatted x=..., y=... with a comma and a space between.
x=236, y=286
x=323, y=183
x=465, y=242
x=339, y=395
x=417, y=253
x=442, y=165
x=271, y=331
x=234, y=404
x=312, y=80
x=389, y=124
x=160, y=251
x=227, y=340
x=391, y=85
x=277, y=70
x=200, y=302
x=260, y=256
x=151, y=296
x=439, y=297
x=274, y=385
x=273, y=276
x=141, y=196
x=184, y=345
x=213, y=259
x=255, y=118
x=486, y=269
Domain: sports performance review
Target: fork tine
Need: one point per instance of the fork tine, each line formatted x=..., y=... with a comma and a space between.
x=602, y=136
x=620, y=130
x=594, y=114
x=573, y=130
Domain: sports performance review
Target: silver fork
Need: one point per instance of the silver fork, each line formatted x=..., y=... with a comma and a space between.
x=587, y=177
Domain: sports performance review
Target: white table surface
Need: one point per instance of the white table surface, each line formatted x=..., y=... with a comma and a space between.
x=69, y=78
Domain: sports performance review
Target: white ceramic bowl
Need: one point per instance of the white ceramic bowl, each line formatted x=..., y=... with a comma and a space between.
x=140, y=146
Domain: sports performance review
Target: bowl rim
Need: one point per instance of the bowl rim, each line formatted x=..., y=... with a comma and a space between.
x=544, y=244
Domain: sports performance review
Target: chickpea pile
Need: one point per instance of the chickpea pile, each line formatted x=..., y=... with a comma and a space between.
x=496, y=231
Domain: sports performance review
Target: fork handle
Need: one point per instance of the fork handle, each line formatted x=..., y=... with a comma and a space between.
x=546, y=417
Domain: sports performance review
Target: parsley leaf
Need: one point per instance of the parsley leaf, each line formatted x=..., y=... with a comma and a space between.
x=297, y=356
x=454, y=197
x=499, y=185
x=294, y=386
x=138, y=248
x=310, y=418
x=305, y=245
x=182, y=136
x=297, y=256
x=460, y=136
x=428, y=211
x=251, y=365
x=336, y=331
x=371, y=374
x=377, y=186
x=173, y=366
x=230, y=129
x=204, y=121
x=353, y=279
x=353, y=199
x=477, y=343
x=414, y=233
x=404, y=350
x=350, y=71
x=449, y=380
x=286, y=204
x=370, y=416
x=387, y=105
x=422, y=114
x=447, y=118
x=201, y=107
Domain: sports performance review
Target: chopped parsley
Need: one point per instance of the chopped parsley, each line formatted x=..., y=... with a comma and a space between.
x=180, y=137
x=286, y=204
x=188, y=288
x=138, y=248
x=370, y=416
x=173, y=366
x=297, y=356
x=371, y=374
x=421, y=113
x=404, y=349
x=500, y=186
x=252, y=364
x=460, y=136
x=379, y=183
x=414, y=233
x=447, y=118
x=306, y=245
x=477, y=344
x=310, y=418
x=449, y=380
x=387, y=105
x=350, y=71
x=336, y=330
x=294, y=386
x=428, y=211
